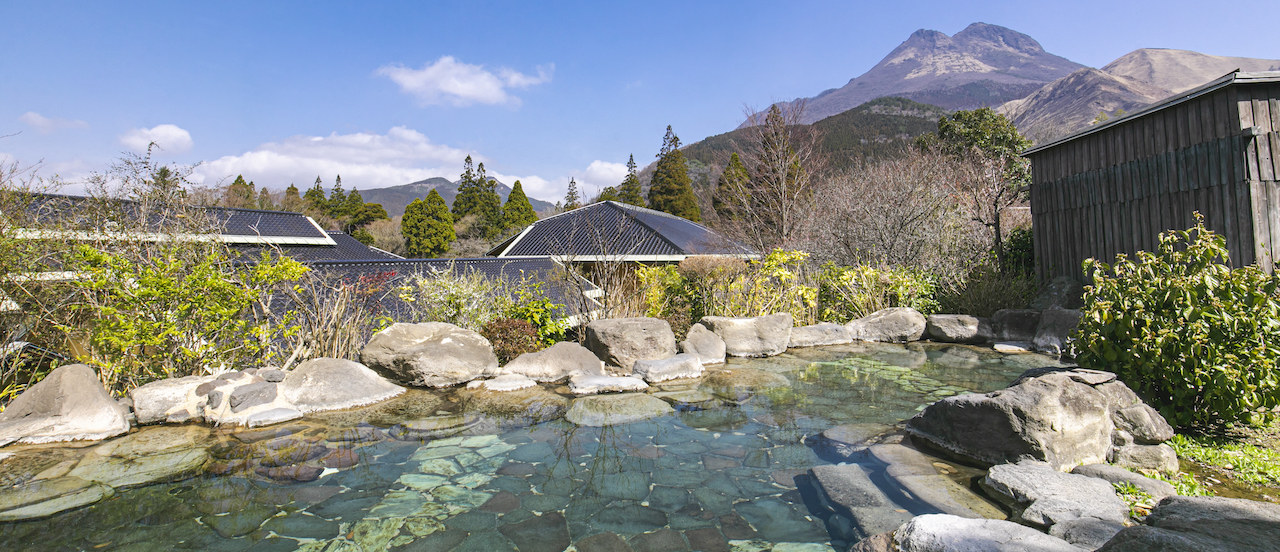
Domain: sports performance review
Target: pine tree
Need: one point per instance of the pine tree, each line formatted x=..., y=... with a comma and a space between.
x=629, y=191
x=427, y=227
x=239, y=194
x=670, y=190
x=609, y=193
x=734, y=181
x=571, y=199
x=518, y=212
x=337, y=200
x=353, y=205
x=315, y=198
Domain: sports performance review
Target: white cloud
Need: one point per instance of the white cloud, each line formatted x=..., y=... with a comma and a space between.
x=168, y=138
x=46, y=125
x=364, y=160
x=461, y=84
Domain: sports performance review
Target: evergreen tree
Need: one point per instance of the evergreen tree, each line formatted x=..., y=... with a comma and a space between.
x=670, y=190
x=264, y=200
x=427, y=227
x=518, y=212
x=478, y=195
x=734, y=182
x=337, y=202
x=292, y=201
x=353, y=205
x=629, y=191
x=609, y=193
x=315, y=198
x=571, y=199
x=239, y=194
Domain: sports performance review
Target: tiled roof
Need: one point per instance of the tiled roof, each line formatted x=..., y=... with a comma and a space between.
x=93, y=215
x=345, y=248
x=616, y=229
x=539, y=269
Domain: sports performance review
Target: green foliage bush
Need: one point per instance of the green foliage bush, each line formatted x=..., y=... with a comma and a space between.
x=511, y=338
x=470, y=300
x=986, y=290
x=176, y=315
x=1193, y=336
x=848, y=293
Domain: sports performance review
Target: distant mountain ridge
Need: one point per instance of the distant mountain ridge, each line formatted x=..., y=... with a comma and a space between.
x=1135, y=80
x=395, y=198
x=982, y=65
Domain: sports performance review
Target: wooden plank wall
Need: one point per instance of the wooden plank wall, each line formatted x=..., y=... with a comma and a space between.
x=1115, y=190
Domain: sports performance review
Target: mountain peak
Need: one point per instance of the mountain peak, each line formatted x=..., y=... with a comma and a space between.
x=979, y=35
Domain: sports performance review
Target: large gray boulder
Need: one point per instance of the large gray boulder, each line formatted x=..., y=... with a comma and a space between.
x=704, y=343
x=431, y=354
x=862, y=508
x=816, y=335
x=170, y=400
x=556, y=363
x=1055, y=328
x=1041, y=496
x=69, y=404
x=1144, y=423
x=1015, y=324
x=948, y=533
x=757, y=336
x=891, y=325
x=683, y=365
x=331, y=384
x=958, y=328
x=622, y=341
x=1159, y=458
x=1051, y=417
x=1203, y=523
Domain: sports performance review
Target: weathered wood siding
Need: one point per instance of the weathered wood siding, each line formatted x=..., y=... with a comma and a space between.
x=1114, y=190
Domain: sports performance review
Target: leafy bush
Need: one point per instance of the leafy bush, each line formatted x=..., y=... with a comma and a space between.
x=1019, y=253
x=702, y=287
x=531, y=305
x=986, y=290
x=848, y=293
x=511, y=338
x=1193, y=336
x=170, y=315
x=471, y=301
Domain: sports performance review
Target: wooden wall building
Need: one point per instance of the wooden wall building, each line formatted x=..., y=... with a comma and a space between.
x=1114, y=187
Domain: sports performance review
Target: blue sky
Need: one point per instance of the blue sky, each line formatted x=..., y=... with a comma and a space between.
x=385, y=93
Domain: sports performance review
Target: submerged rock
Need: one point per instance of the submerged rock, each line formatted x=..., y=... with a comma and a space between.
x=622, y=341
x=160, y=454
x=431, y=354
x=703, y=343
x=892, y=325
x=69, y=404
x=332, y=384
x=533, y=404
x=681, y=366
x=556, y=363
x=37, y=499
x=739, y=384
x=607, y=410
x=758, y=336
x=816, y=335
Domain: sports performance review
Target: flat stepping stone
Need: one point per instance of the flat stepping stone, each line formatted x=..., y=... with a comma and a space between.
x=591, y=385
x=606, y=410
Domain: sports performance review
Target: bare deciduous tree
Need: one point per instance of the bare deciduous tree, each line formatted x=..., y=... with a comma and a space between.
x=770, y=207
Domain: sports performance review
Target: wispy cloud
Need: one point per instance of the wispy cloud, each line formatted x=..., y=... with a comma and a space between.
x=364, y=160
x=169, y=139
x=449, y=81
x=46, y=125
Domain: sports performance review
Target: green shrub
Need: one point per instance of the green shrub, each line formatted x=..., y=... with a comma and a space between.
x=1019, y=253
x=847, y=293
x=172, y=315
x=471, y=301
x=531, y=305
x=986, y=290
x=1196, y=338
x=511, y=338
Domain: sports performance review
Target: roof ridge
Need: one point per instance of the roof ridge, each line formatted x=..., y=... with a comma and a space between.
x=631, y=215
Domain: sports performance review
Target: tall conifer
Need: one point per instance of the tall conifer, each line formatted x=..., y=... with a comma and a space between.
x=427, y=227
x=518, y=212
x=670, y=190
x=571, y=198
x=630, y=191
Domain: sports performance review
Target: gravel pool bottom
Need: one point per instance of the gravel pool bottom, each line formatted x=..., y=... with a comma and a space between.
x=725, y=471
